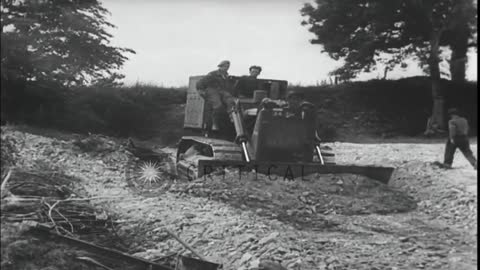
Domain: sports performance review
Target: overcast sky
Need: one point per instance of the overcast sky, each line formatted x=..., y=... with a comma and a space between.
x=175, y=39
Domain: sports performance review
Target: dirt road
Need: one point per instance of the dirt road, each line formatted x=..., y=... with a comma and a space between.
x=431, y=224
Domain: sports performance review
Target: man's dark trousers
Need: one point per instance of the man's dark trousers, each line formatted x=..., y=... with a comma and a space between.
x=462, y=143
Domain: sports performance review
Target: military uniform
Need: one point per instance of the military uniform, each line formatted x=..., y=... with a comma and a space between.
x=245, y=86
x=214, y=88
x=458, y=133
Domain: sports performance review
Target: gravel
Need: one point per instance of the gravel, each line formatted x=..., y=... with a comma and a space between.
x=424, y=219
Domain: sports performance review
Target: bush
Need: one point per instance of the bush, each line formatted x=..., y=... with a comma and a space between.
x=377, y=107
x=372, y=108
x=118, y=111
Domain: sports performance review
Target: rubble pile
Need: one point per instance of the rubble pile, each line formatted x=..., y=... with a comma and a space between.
x=326, y=222
x=304, y=203
x=42, y=204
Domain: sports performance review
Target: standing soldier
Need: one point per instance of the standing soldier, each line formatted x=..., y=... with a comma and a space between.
x=458, y=138
x=214, y=88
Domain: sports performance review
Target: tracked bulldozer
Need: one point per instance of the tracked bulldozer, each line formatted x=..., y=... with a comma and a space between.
x=275, y=134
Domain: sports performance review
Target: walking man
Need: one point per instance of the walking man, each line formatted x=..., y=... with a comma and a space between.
x=214, y=88
x=458, y=138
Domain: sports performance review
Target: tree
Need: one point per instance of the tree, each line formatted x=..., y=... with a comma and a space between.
x=460, y=37
x=64, y=41
x=54, y=44
x=361, y=32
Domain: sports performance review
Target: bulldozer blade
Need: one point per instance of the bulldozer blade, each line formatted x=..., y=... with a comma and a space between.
x=291, y=170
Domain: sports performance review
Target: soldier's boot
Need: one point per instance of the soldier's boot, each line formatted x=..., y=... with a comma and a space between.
x=445, y=165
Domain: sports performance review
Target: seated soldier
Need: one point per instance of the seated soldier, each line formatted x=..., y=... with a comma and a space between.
x=255, y=71
x=214, y=89
x=294, y=102
x=245, y=86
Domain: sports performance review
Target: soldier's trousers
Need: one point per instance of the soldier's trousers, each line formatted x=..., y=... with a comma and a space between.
x=463, y=144
x=217, y=103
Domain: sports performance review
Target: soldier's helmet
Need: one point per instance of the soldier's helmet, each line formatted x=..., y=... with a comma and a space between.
x=224, y=63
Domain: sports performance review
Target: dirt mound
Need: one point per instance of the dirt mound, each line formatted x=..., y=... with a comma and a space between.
x=448, y=195
x=305, y=202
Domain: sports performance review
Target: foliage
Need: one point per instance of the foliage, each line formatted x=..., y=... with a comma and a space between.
x=390, y=107
x=361, y=32
x=120, y=111
x=65, y=41
x=398, y=107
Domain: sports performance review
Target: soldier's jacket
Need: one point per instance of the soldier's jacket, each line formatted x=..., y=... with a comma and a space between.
x=214, y=80
x=245, y=86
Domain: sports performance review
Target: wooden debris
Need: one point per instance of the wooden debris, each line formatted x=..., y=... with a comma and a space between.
x=185, y=244
x=108, y=252
x=3, y=190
